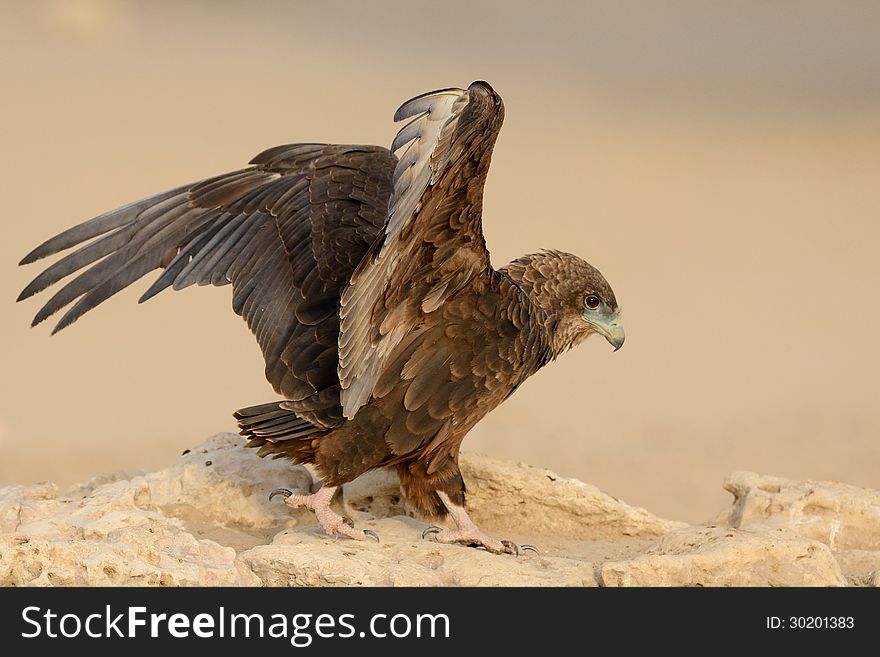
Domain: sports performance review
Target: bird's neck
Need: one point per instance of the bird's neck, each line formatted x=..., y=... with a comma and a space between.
x=545, y=285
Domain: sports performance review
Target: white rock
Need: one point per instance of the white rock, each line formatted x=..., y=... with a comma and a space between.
x=185, y=524
x=534, y=500
x=725, y=556
x=843, y=517
x=309, y=558
x=221, y=482
x=860, y=567
x=206, y=520
x=104, y=539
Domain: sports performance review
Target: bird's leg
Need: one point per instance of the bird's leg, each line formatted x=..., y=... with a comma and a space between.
x=319, y=503
x=468, y=533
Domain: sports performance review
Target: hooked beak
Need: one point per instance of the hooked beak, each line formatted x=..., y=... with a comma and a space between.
x=612, y=330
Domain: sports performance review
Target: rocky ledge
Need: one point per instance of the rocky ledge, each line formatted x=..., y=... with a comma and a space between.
x=206, y=520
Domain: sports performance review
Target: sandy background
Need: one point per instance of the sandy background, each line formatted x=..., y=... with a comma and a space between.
x=720, y=164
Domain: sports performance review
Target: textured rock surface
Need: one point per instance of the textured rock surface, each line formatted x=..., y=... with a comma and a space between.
x=726, y=556
x=843, y=517
x=533, y=500
x=104, y=538
x=297, y=558
x=207, y=520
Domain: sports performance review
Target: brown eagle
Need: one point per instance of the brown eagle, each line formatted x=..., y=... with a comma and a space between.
x=365, y=277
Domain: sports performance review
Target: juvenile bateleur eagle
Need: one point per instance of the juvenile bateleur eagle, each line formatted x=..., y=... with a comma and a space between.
x=364, y=275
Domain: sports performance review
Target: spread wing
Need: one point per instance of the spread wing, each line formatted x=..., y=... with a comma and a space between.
x=287, y=233
x=433, y=244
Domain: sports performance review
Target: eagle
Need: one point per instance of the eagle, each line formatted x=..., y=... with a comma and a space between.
x=364, y=275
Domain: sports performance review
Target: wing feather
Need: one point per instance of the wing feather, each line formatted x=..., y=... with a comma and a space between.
x=97, y=226
x=432, y=246
x=80, y=258
x=264, y=229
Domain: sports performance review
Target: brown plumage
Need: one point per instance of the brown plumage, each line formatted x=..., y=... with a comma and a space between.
x=364, y=275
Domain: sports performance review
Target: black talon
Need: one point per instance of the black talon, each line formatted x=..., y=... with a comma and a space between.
x=296, y=492
x=280, y=491
x=431, y=530
x=525, y=547
x=372, y=534
x=510, y=545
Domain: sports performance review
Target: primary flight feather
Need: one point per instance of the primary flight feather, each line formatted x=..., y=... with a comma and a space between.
x=364, y=275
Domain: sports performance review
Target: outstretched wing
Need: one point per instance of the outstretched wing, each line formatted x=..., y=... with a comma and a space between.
x=433, y=245
x=287, y=233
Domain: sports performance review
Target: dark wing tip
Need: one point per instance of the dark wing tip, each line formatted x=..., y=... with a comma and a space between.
x=26, y=293
x=72, y=315
x=33, y=256
x=63, y=324
x=158, y=285
x=40, y=317
x=43, y=314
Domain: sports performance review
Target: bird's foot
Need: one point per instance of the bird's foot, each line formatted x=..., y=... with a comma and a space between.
x=467, y=533
x=319, y=503
x=473, y=537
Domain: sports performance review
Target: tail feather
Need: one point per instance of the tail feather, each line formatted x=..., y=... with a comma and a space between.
x=272, y=421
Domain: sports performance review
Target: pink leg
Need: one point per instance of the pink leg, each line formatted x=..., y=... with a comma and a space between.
x=333, y=523
x=469, y=534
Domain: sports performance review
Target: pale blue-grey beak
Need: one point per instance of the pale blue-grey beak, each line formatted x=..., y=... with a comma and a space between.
x=611, y=328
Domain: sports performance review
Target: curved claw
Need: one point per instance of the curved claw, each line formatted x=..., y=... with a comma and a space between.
x=430, y=530
x=286, y=493
x=372, y=534
x=280, y=491
x=512, y=547
x=528, y=547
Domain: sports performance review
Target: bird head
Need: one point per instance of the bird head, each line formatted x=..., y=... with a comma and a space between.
x=603, y=317
x=576, y=298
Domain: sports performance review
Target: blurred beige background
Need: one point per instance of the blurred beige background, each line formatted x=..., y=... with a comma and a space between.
x=719, y=162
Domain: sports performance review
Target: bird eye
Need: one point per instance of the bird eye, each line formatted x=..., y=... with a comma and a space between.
x=592, y=302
